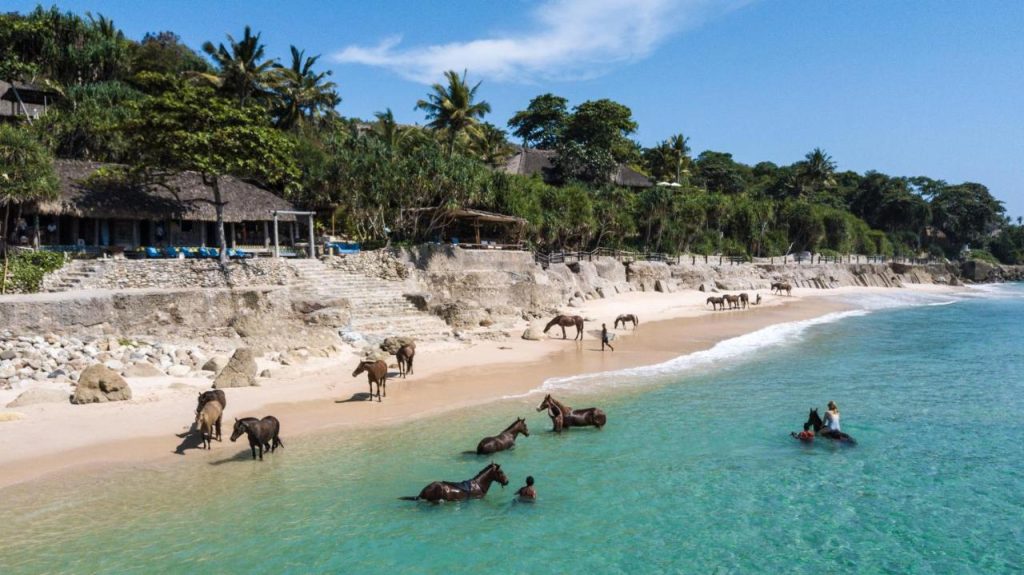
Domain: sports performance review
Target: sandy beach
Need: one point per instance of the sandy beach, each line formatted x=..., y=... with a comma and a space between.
x=321, y=394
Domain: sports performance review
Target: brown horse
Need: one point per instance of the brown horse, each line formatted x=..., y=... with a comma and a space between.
x=564, y=321
x=475, y=488
x=405, y=354
x=563, y=417
x=779, y=287
x=716, y=302
x=744, y=300
x=732, y=300
x=213, y=395
x=262, y=433
x=206, y=422
x=376, y=372
x=504, y=440
x=627, y=318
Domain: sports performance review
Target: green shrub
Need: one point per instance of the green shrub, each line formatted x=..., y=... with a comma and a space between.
x=25, y=270
x=984, y=256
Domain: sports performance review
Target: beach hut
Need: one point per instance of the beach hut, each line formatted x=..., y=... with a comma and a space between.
x=473, y=228
x=97, y=213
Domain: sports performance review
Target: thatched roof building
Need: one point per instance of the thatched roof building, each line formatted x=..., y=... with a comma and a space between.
x=182, y=196
x=476, y=228
x=530, y=162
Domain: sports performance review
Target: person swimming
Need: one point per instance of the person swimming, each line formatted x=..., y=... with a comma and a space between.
x=527, y=492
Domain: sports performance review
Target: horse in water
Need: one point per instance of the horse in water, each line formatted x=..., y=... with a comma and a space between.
x=564, y=321
x=716, y=302
x=627, y=318
x=213, y=395
x=814, y=421
x=732, y=300
x=475, y=488
x=563, y=417
x=376, y=372
x=779, y=287
x=504, y=440
x=262, y=433
x=405, y=354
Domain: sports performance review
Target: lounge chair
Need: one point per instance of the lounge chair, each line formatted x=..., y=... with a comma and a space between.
x=153, y=253
x=204, y=252
x=242, y=254
x=189, y=253
x=170, y=252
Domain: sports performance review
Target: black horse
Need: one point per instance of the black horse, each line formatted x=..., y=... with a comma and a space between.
x=475, y=488
x=262, y=433
x=504, y=440
x=814, y=421
x=213, y=395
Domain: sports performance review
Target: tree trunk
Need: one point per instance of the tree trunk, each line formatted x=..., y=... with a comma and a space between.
x=218, y=207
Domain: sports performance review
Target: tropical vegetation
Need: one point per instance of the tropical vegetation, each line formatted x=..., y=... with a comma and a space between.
x=228, y=109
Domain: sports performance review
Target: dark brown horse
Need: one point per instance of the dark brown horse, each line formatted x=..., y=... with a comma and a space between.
x=213, y=395
x=563, y=417
x=475, y=488
x=405, y=354
x=376, y=372
x=814, y=421
x=504, y=440
x=732, y=300
x=262, y=433
x=716, y=302
x=627, y=318
x=744, y=300
x=564, y=321
x=779, y=287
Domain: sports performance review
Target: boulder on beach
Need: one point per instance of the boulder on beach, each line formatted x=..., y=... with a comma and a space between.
x=100, y=384
x=392, y=344
x=239, y=372
x=216, y=363
x=143, y=369
x=39, y=395
x=536, y=331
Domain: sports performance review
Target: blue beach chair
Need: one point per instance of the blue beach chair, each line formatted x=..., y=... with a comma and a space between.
x=170, y=252
x=153, y=253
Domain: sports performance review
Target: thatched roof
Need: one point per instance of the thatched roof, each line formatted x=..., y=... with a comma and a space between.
x=182, y=196
x=530, y=162
x=476, y=215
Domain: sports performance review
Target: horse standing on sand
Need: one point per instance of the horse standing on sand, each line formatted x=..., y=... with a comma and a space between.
x=376, y=372
x=744, y=300
x=504, y=440
x=627, y=318
x=732, y=300
x=814, y=421
x=206, y=422
x=779, y=287
x=563, y=417
x=564, y=321
x=716, y=302
x=475, y=488
x=405, y=354
x=213, y=395
x=262, y=433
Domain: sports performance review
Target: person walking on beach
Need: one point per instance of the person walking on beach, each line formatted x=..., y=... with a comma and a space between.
x=527, y=492
x=604, y=337
x=832, y=420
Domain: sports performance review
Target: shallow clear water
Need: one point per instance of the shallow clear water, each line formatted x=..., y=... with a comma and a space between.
x=695, y=471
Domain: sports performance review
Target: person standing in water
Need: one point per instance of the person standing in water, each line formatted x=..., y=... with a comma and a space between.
x=604, y=337
x=527, y=492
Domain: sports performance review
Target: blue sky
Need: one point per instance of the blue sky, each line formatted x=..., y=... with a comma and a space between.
x=926, y=87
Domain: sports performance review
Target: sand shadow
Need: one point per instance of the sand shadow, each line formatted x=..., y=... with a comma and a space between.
x=355, y=397
x=243, y=455
x=190, y=439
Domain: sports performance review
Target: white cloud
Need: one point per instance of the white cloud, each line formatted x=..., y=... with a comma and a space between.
x=567, y=38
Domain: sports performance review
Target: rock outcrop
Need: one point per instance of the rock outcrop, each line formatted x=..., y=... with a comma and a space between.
x=239, y=372
x=39, y=395
x=100, y=384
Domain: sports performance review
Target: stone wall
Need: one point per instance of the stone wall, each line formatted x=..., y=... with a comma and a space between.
x=183, y=273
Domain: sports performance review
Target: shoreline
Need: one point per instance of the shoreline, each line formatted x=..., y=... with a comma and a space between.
x=57, y=439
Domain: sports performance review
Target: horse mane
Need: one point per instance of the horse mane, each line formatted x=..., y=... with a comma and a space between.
x=513, y=424
x=485, y=470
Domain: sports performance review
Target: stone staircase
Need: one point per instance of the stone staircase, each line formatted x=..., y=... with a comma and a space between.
x=379, y=307
x=76, y=275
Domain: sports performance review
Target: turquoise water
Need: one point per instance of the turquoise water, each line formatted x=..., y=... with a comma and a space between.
x=694, y=473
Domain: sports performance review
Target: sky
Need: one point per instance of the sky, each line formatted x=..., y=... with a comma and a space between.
x=909, y=87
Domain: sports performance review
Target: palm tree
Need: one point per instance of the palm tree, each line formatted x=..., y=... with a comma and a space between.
x=388, y=130
x=451, y=109
x=243, y=71
x=302, y=93
x=817, y=171
x=488, y=144
x=680, y=149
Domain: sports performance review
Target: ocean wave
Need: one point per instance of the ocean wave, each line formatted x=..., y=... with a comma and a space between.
x=724, y=351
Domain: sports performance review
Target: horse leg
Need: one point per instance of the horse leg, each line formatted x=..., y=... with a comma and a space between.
x=219, y=436
x=252, y=447
x=563, y=331
x=408, y=368
x=371, y=389
x=384, y=383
